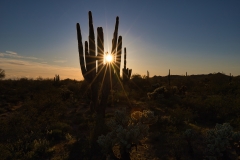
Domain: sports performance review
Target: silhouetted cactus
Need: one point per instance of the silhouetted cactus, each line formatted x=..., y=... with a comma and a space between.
x=2, y=73
x=56, y=78
x=126, y=72
x=107, y=73
x=98, y=74
x=169, y=77
x=230, y=77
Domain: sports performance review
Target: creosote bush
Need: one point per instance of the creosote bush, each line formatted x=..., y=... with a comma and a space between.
x=126, y=132
x=221, y=141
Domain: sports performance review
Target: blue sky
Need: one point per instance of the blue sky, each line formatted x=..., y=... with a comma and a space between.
x=38, y=38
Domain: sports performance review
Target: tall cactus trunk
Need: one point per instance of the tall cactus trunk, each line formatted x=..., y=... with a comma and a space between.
x=100, y=76
x=118, y=57
x=92, y=64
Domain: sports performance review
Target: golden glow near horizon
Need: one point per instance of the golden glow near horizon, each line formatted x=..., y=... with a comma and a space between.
x=24, y=68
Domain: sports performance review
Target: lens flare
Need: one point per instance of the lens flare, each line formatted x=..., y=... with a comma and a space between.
x=109, y=58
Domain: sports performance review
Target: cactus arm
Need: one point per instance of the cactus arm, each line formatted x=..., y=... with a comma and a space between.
x=113, y=67
x=88, y=76
x=114, y=40
x=100, y=53
x=129, y=73
x=80, y=50
x=100, y=43
x=118, y=58
x=126, y=72
x=125, y=57
x=92, y=48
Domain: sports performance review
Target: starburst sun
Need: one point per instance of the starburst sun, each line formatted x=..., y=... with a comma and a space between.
x=108, y=58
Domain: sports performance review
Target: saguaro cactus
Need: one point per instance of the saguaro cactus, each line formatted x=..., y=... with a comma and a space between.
x=93, y=68
x=126, y=72
x=56, y=78
x=169, y=77
x=89, y=72
x=100, y=76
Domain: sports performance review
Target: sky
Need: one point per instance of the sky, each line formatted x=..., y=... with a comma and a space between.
x=39, y=38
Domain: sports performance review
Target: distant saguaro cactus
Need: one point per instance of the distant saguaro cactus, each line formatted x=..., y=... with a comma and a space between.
x=2, y=73
x=169, y=77
x=56, y=78
x=230, y=77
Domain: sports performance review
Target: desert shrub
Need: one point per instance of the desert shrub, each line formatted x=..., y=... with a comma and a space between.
x=55, y=135
x=156, y=85
x=235, y=123
x=65, y=93
x=2, y=110
x=79, y=149
x=136, y=94
x=177, y=147
x=26, y=149
x=189, y=136
x=40, y=150
x=78, y=119
x=84, y=90
x=4, y=152
x=179, y=115
x=122, y=96
x=58, y=131
x=138, y=83
x=157, y=93
x=127, y=131
x=220, y=141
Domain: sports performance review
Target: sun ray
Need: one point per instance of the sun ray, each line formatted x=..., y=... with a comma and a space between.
x=111, y=66
x=103, y=77
x=89, y=86
x=121, y=84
